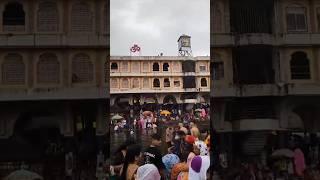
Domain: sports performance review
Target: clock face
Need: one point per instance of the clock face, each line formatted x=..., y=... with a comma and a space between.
x=185, y=42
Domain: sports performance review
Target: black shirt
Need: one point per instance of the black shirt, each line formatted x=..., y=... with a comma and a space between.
x=152, y=155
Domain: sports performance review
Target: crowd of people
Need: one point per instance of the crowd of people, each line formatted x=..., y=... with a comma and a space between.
x=296, y=159
x=186, y=156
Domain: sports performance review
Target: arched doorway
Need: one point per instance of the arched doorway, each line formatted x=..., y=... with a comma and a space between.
x=169, y=99
x=308, y=114
x=37, y=140
x=121, y=104
x=170, y=103
x=150, y=103
x=41, y=130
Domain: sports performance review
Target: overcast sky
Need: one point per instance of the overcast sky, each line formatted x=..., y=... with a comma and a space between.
x=155, y=25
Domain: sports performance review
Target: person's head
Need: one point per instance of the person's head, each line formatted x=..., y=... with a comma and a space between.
x=155, y=139
x=196, y=150
x=133, y=156
x=169, y=160
x=148, y=172
x=133, y=153
x=192, y=124
x=190, y=139
x=181, y=134
x=176, y=128
x=123, y=147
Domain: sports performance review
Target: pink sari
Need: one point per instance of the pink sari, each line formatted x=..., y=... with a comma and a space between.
x=299, y=162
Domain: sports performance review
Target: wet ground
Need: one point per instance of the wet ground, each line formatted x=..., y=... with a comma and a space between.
x=142, y=137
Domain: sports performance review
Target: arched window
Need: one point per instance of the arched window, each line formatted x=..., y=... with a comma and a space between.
x=155, y=67
x=135, y=83
x=165, y=67
x=146, y=83
x=48, y=69
x=204, y=82
x=81, y=18
x=13, y=17
x=125, y=83
x=296, y=19
x=114, y=83
x=13, y=70
x=300, y=66
x=114, y=66
x=47, y=16
x=82, y=69
x=166, y=82
x=156, y=83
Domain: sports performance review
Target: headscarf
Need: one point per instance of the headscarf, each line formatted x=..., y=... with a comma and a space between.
x=198, y=168
x=169, y=160
x=190, y=139
x=148, y=172
x=203, y=148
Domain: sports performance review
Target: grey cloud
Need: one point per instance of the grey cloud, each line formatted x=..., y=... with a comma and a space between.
x=156, y=25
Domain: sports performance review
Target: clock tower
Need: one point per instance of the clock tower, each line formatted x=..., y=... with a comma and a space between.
x=184, y=45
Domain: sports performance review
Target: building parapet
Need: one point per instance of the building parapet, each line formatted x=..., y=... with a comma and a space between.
x=265, y=90
x=228, y=39
x=158, y=58
x=59, y=40
x=54, y=93
x=158, y=90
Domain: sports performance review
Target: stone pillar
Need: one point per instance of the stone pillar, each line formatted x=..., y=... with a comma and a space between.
x=100, y=120
x=218, y=112
x=3, y=127
x=68, y=123
x=283, y=112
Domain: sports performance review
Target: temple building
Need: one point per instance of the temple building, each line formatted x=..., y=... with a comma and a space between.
x=53, y=81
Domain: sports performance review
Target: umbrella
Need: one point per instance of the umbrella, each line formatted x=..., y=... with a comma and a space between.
x=117, y=117
x=282, y=153
x=146, y=113
x=165, y=112
x=23, y=175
